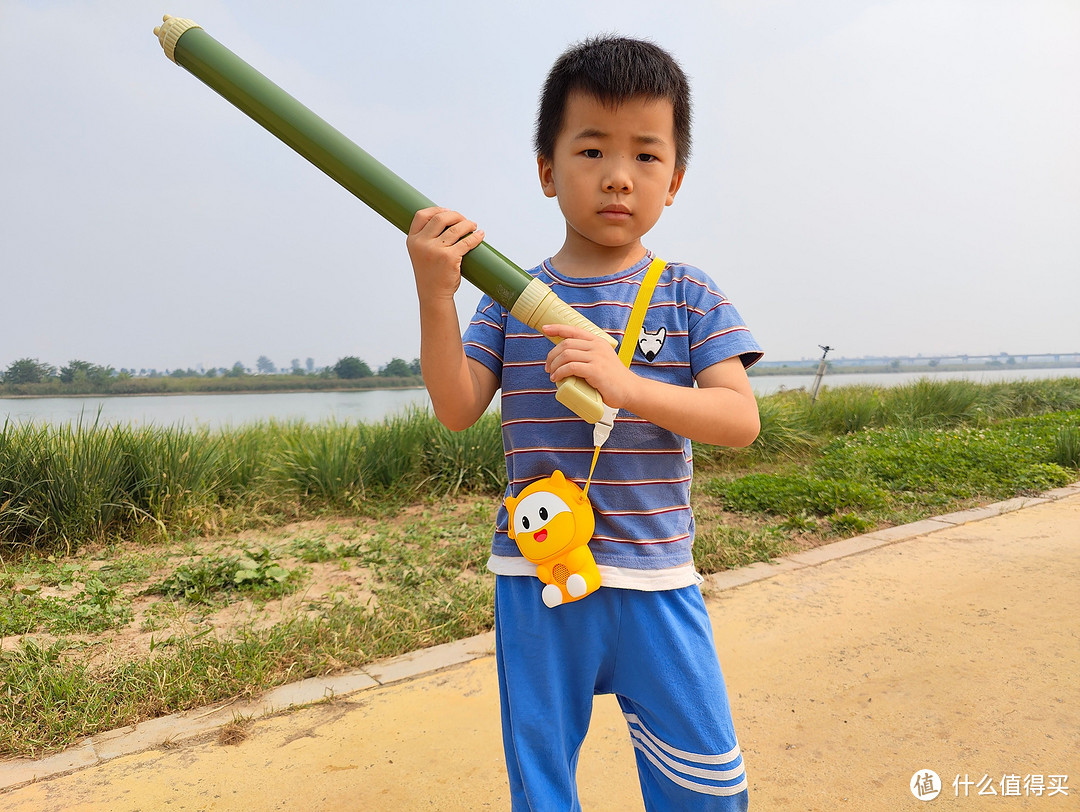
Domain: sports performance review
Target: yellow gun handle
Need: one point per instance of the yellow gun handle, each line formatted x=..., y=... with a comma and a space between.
x=538, y=305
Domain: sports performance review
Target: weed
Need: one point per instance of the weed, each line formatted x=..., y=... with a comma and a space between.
x=235, y=732
x=849, y=524
x=312, y=550
x=800, y=523
x=95, y=608
x=213, y=579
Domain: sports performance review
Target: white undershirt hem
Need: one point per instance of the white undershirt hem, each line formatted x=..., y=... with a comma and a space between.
x=615, y=577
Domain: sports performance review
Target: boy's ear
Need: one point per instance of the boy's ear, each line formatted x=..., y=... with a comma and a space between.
x=676, y=183
x=547, y=175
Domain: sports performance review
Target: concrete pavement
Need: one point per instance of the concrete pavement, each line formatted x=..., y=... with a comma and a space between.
x=951, y=645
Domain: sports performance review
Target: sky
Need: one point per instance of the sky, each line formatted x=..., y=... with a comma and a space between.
x=889, y=178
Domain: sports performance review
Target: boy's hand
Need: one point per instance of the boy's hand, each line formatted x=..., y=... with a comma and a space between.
x=438, y=239
x=582, y=354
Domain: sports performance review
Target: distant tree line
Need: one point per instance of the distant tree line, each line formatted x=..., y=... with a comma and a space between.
x=31, y=376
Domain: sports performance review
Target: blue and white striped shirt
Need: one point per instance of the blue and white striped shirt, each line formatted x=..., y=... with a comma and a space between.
x=641, y=488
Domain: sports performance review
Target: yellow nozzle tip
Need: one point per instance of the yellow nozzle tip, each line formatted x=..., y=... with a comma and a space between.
x=170, y=30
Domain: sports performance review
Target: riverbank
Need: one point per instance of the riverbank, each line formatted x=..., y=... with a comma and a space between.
x=809, y=369
x=209, y=393
x=243, y=385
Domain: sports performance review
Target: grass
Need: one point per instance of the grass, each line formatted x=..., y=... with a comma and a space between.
x=878, y=476
x=201, y=636
x=193, y=566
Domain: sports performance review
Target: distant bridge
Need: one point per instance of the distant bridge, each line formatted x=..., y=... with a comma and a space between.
x=938, y=360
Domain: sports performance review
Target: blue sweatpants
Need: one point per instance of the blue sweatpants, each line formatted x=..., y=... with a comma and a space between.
x=655, y=652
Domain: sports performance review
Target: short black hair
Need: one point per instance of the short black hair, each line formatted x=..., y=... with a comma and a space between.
x=614, y=69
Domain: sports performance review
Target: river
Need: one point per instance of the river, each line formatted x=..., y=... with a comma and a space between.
x=374, y=404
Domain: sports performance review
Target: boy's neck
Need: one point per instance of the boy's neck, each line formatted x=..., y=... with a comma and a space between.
x=584, y=259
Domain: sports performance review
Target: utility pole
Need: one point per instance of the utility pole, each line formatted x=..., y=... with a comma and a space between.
x=820, y=373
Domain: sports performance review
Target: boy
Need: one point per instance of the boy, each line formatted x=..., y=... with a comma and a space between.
x=612, y=140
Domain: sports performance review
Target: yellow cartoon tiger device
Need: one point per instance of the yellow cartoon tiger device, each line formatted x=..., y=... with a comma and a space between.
x=552, y=521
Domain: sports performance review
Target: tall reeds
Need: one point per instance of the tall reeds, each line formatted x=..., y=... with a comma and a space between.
x=61, y=486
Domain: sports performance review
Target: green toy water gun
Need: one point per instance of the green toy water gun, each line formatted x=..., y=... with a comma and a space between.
x=529, y=300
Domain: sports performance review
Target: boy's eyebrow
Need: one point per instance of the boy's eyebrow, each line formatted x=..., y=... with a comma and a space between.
x=592, y=132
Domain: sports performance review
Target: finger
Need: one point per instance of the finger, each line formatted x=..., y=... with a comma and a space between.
x=422, y=218
x=440, y=220
x=573, y=369
x=564, y=354
x=457, y=231
x=470, y=241
x=565, y=331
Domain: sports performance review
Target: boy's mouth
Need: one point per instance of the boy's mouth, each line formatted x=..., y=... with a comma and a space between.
x=615, y=212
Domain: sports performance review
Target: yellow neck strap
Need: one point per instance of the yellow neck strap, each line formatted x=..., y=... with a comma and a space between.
x=633, y=333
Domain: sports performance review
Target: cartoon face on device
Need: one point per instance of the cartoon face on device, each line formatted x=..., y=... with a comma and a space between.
x=552, y=522
x=543, y=524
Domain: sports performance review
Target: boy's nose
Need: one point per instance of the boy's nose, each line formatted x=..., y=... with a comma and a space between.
x=618, y=178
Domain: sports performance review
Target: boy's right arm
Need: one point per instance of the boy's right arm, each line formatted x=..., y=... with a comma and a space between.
x=460, y=388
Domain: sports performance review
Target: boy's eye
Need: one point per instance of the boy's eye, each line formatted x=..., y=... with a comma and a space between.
x=591, y=153
x=646, y=157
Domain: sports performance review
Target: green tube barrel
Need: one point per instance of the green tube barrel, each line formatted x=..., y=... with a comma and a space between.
x=528, y=299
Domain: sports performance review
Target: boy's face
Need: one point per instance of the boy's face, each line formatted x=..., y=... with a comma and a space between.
x=613, y=170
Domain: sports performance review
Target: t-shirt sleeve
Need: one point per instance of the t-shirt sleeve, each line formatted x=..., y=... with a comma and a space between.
x=717, y=331
x=484, y=337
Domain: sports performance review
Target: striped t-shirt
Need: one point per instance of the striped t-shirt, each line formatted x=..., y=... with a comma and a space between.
x=641, y=488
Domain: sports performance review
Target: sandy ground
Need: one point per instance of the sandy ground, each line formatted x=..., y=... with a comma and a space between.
x=957, y=652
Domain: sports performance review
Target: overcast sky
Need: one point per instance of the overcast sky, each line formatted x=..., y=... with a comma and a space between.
x=889, y=178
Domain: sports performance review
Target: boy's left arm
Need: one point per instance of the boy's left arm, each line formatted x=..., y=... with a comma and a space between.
x=722, y=410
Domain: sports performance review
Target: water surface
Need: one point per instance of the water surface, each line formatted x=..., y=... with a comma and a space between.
x=372, y=405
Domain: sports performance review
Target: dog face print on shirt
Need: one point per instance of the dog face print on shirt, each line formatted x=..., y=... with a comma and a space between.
x=650, y=344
